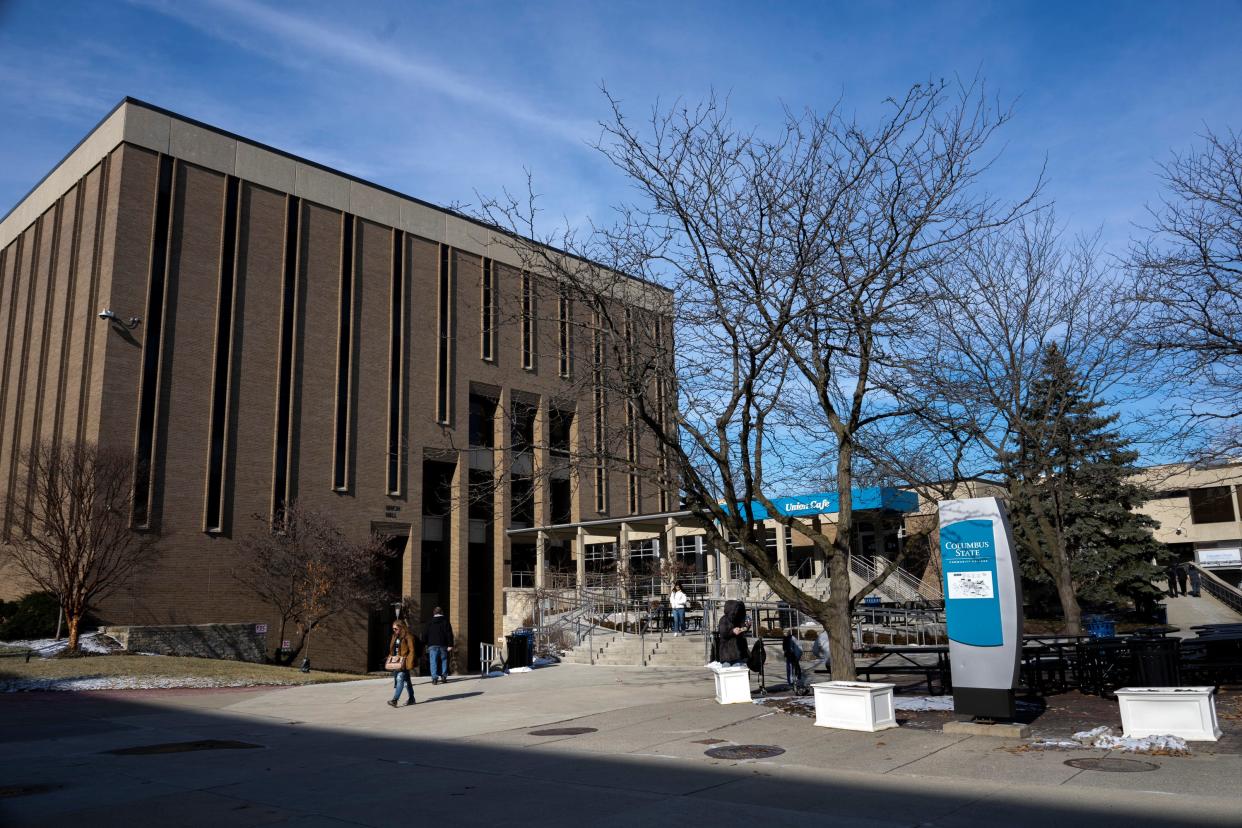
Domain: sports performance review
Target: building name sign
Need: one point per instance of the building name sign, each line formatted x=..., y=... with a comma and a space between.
x=1219, y=557
x=828, y=503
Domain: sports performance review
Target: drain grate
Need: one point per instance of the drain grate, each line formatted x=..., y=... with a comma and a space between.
x=564, y=731
x=745, y=752
x=183, y=747
x=1112, y=765
x=9, y=791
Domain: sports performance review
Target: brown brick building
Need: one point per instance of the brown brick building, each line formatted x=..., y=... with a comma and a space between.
x=306, y=335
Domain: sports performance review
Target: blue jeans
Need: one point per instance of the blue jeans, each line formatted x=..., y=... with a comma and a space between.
x=679, y=620
x=793, y=671
x=437, y=656
x=401, y=681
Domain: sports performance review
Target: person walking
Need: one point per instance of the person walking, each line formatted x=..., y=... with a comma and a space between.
x=793, y=659
x=1196, y=581
x=732, y=634
x=401, y=653
x=678, y=600
x=821, y=652
x=439, y=638
x=1171, y=575
x=1181, y=578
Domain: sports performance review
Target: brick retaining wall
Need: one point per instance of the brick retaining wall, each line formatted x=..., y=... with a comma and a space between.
x=235, y=642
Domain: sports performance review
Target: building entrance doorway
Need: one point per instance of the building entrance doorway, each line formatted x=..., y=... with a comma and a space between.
x=379, y=621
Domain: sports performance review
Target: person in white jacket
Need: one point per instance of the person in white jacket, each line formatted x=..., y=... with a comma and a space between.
x=678, y=600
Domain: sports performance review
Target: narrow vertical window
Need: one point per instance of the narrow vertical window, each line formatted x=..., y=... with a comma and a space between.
x=445, y=344
x=153, y=326
x=284, y=377
x=564, y=316
x=528, y=321
x=344, y=355
x=661, y=413
x=396, y=363
x=598, y=403
x=633, y=493
x=487, y=310
x=213, y=518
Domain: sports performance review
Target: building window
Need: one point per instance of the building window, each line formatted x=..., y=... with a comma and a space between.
x=599, y=400
x=444, y=351
x=1213, y=504
x=284, y=379
x=522, y=424
x=396, y=362
x=152, y=342
x=564, y=317
x=661, y=414
x=560, y=494
x=560, y=432
x=344, y=358
x=482, y=422
x=213, y=518
x=528, y=321
x=487, y=305
x=522, y=490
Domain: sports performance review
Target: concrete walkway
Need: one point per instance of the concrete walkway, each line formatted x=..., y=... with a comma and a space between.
x=1186, y=612
x=465, y=755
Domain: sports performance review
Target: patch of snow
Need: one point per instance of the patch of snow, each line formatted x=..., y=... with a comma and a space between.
x=805, y=701
x=48, y=647
x=522, y=670
x=118, y=683
x=922, y=703
x=1102, y=737
x=544, y=661
x=496, y=674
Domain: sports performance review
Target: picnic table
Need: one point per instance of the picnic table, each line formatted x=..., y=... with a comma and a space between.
x=899, y=661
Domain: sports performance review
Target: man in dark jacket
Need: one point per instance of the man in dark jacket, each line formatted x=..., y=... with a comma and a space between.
x=439, y=638
x=732, y=634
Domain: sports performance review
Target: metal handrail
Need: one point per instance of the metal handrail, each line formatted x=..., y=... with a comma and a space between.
x=1219, y=588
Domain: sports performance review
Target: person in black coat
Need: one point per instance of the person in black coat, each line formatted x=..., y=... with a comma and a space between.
x=439, y=639
x=1182, y=576
x=732, y=632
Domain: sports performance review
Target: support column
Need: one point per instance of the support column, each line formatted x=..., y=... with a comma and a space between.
x=502, y=513
x=782, y=551
x=459, y=556
x=713, y=577
x=541, y=558
x=669, y=541
x=623, y=558
x=580, y=557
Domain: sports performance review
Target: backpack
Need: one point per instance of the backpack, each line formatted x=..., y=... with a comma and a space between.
x=758, y=657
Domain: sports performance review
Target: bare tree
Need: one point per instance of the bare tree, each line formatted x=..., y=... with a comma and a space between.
x=308, y=572
x=1190, y=275
x=1001, y=304
x=799, y=265
x=69, y=526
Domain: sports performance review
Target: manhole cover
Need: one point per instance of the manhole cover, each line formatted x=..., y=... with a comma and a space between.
x=8, y=791
x=1112, y=765
x=183, y=747
x=745, y=752
x=564, y=731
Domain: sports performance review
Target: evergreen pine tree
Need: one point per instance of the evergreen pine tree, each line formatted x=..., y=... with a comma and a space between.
x=1073, y=497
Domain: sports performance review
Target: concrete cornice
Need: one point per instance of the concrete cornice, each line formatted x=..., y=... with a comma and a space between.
x=145, y=125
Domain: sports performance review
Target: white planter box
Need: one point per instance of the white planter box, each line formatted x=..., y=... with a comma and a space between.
x=732, y=684
x=1188, y=712
x=854, y=705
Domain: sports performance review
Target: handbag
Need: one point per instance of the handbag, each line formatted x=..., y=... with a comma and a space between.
x=394, y=662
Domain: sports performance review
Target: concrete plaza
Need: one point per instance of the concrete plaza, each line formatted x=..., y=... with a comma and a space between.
x=464, y=755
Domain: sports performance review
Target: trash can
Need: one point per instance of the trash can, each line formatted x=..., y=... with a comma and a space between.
x=518, y=646
x=1100, y=626
x=1157, y=661
x=530, y=643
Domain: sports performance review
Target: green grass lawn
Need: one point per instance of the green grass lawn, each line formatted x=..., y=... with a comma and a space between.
x=204, y=670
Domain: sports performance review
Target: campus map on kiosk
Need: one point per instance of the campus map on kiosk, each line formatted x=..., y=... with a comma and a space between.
x=970, y=584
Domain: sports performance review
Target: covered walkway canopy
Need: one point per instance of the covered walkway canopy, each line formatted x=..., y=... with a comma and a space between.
x=682, y=532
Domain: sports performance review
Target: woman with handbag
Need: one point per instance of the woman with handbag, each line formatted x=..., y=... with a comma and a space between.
x=401, y=654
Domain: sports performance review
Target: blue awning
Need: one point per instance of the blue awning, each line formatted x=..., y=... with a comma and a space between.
x=825, y=503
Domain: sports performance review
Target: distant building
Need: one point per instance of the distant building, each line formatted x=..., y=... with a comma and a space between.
x=302, y=335
x=1197, y=508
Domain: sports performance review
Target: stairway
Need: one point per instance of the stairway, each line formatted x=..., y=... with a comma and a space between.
x=656, y=650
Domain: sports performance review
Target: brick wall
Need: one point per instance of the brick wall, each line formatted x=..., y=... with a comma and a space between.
x=235, y=642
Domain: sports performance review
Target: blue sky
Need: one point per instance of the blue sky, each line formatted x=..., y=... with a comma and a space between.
x=443, y=100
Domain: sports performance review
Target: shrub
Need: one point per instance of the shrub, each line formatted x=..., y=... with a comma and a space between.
x=31, y=616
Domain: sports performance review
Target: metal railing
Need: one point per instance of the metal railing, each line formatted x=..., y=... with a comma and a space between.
x=1219, y=588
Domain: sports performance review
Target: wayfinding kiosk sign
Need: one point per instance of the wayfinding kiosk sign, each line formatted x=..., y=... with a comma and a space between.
x=982, y=605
